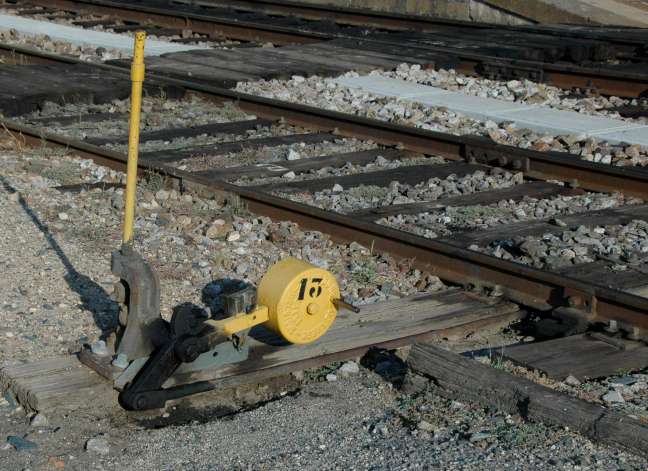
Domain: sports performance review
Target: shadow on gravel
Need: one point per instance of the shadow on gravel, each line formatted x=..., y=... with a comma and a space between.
x=93, y=297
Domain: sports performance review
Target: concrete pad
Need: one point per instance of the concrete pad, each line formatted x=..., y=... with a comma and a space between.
x=563, y=122
x=389, y=87
x=476, y=107
x=86, y=37
x=638, y=135
x=536, y=118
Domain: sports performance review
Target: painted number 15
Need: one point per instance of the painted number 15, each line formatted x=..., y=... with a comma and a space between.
x=313, y=288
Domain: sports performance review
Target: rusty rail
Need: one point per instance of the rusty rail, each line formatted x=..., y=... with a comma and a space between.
x=607, y=82
x=531, y=287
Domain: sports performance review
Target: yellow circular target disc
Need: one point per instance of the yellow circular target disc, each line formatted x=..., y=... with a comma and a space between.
x=299, y=297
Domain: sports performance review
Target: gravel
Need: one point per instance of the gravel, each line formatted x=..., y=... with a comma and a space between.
x=625, y=392
x=157, y=113
x=380, y=163
x=324, y=93
x=54, y=297
x=518, y=91
x=98, y=445
x=270, y=154
x=55, y=293
x=43, y=42
x=366, y=424
x=370, y=196
x=361, y=422
x=626, y=244
x=450, y=219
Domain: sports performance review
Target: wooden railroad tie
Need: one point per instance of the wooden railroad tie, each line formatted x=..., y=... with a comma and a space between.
x=63, y=383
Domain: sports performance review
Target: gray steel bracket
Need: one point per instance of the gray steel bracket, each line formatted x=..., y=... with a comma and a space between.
x=144, y=328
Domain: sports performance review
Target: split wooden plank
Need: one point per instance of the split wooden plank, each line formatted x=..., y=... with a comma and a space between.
x=91, y=23
x=410, y=175
x=623, y=215
x=304, y=165
x=582, y=356
x=175, y=155
x=175, y=69
x=601, y=273
x=539, y=190
x=389, y=324
x=423, y=57
x=23, y=90
x=79, y=119
x=211, y=129
x=63, y=382
x=462, y=378
x=53, y=383
x=261, y=62
x=341, y=58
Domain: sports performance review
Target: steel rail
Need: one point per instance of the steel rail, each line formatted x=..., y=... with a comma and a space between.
x=619, y=35
x=608, y=82
x=535, y=164
x=529, y=286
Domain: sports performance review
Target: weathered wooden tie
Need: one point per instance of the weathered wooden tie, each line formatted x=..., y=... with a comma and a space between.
x=64, y=383
x=460, y=377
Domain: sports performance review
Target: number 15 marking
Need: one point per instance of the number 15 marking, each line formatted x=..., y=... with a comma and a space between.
x=315, y=290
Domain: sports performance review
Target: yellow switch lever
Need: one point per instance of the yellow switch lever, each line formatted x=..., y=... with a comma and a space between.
x=137, y=77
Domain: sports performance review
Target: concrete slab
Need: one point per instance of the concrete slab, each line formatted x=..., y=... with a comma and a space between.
x=87, y=37
x=560, y=122
x=536, y=118
x=473, y=106
x=389, y=87
x=638, y=135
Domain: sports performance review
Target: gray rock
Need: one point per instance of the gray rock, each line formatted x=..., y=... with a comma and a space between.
x=11, y=400
x=39, y=420
x=380, y=160
x=414, y=383
x=572, y=381
x=98, y=445
x=293, y=155
x=480, y=436
x=117, y=201
x=425, y=426
x=624, y=380
x=121, y=361
x=613, y=396
x=21, y=444
x=233, y=236
x=337, y=188
x=380, y=429
x=289, y=175
x=534, y=248
x=348, y=369
x=558, y=222
x=99, y=348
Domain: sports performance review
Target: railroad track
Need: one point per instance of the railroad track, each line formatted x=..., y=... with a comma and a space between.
x=608, y=61
x=272, y=154
x=448, y=259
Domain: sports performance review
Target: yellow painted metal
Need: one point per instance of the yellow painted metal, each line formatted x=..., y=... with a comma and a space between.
x=137, y=78
x=301, y=300
x=241, y=322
